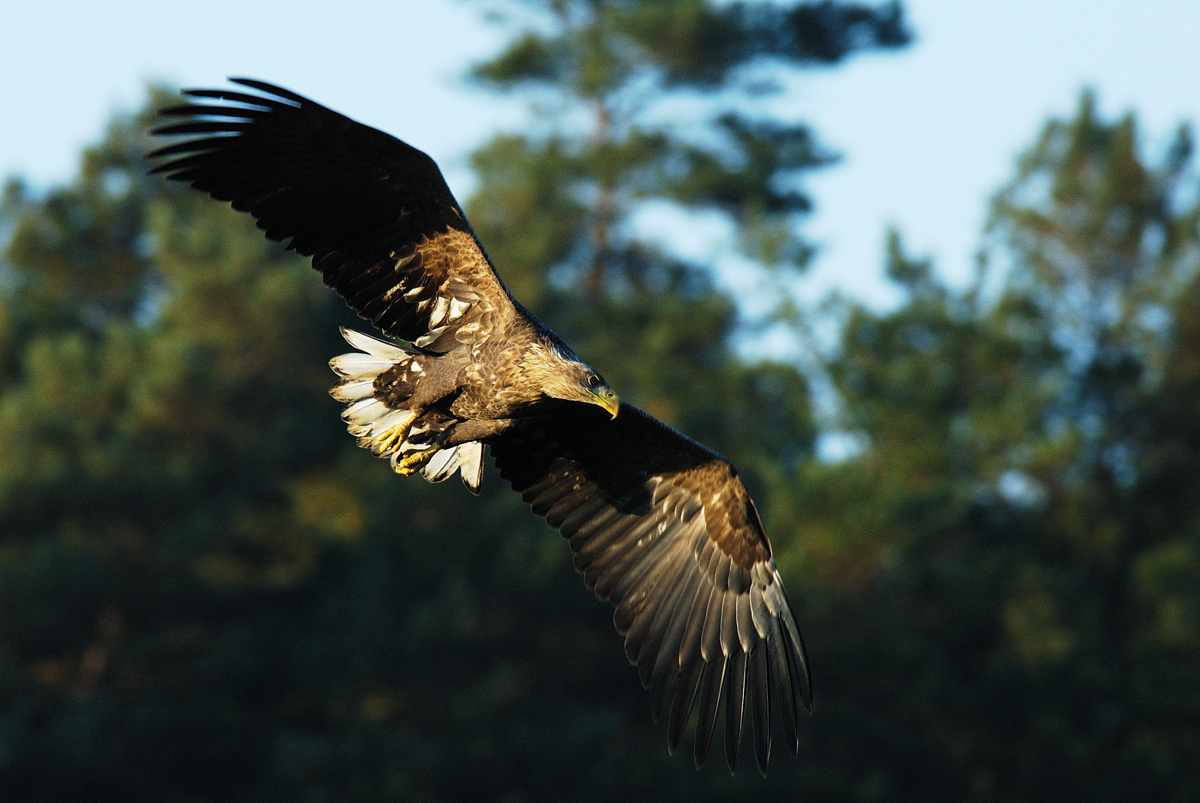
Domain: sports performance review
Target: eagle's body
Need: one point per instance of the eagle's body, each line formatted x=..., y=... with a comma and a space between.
x=480, y=363
x=660, y=525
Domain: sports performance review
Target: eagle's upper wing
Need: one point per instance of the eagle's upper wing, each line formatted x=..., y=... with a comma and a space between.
x=374, y=213
x=663, y=528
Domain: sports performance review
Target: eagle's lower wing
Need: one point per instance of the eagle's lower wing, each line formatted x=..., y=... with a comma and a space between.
x=374, y=213
x=664, y=529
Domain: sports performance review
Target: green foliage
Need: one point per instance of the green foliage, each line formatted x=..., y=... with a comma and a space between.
x=1014, y=549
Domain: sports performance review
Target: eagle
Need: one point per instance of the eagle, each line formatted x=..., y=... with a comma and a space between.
x=660, y=525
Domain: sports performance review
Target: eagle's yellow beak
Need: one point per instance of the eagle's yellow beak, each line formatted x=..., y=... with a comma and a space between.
x=606, y=399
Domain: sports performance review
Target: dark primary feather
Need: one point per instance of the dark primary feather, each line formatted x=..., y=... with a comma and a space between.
x=663, y=528
x=373, y=212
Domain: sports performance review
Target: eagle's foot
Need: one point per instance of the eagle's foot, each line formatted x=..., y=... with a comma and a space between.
x=413, y=462
x=391, y=439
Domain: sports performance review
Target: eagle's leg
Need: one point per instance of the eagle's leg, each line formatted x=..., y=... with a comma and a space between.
x=391, y=439
x=478, y=430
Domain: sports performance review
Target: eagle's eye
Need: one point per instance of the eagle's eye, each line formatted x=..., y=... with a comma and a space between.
x=593, y=381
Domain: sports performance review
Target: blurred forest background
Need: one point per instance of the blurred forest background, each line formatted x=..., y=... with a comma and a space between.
x=208, y=593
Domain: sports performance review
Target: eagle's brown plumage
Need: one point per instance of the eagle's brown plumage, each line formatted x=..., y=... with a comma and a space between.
x=660, y=525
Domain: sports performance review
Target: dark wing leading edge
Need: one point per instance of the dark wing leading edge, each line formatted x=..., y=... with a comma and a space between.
x=374, y=213
x=664, y=529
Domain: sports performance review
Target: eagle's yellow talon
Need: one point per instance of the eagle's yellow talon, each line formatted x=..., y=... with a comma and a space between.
x=392, y=439
x=411, y=464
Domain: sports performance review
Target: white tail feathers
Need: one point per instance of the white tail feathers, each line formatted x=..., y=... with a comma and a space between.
x=357, y=365
x=385, y=430
x=374, y=346
x=352, y=389
x=467, y=457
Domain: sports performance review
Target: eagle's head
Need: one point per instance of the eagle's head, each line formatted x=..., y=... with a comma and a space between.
x=577, y=381
x=597, y=391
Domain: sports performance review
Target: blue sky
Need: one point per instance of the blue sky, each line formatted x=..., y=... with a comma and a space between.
x=926, y=135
